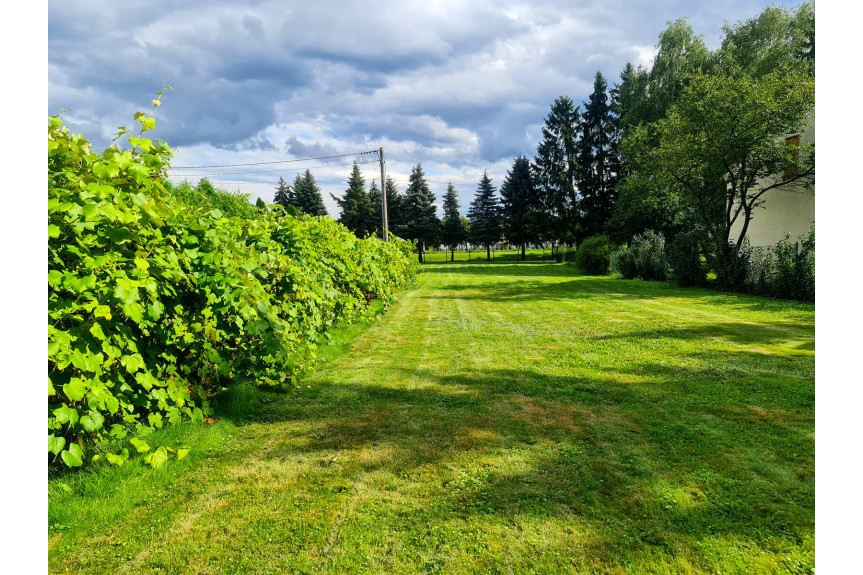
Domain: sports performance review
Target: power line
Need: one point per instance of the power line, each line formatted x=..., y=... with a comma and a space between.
x=277, y=162
x=268, y=171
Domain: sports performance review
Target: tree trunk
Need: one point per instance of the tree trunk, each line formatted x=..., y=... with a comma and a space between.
x=488, y=252
x=523, y=257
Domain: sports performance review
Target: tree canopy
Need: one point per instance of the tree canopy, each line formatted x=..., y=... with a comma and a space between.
x=453, y=231
x=308, y=195
x=420, y=221
x=356, y=209
x=485, y=215
x=521, y=206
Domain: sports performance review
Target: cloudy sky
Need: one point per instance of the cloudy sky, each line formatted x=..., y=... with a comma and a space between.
x=460, y=87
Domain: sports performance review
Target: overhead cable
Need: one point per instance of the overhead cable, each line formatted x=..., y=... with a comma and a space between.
x=276, y=162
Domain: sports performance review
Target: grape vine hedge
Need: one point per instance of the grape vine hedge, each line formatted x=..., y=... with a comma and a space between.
x=154, y=304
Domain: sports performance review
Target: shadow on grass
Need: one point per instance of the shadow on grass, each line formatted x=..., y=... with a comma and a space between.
x=646, y=454
x=513, y=282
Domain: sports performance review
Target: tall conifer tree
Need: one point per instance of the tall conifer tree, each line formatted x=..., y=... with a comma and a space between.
x=308, y=195
x=453, y=231
x=555, y=171
x=597, y=168
x=420, y=214
x=484, y=215
x=356, y=209
x=284, y=194
x=521, y=205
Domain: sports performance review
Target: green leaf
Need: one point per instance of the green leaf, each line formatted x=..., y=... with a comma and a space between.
x=132, y=363
x=75, y=389
x=55, y=278
x=66, y=414
x=146, y=380
x=158, y=458
x=73, y=457
x=56, y=444
x=118, y=458
x=155, y=419
x=92, y=421
x=155, y=309
x=139, y=444
x=126, y=290
x=97, y=332
x=102, y=311
x=181, y=453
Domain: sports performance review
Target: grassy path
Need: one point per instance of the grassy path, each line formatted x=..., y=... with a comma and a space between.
x=498, y=419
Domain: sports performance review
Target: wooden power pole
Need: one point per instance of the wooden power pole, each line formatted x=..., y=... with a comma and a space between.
x=384, y=196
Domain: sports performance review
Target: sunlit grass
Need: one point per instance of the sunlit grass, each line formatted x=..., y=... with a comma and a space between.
x=498, y=419
x=479, y=256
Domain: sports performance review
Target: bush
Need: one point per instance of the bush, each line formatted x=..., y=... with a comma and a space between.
x=786, y=270
x=205, y=195
x=593, y=256
x=155, y=304
x=684, y=259
x=623, y=262
x=648, y=251
x=732, y=267
x=564, y=254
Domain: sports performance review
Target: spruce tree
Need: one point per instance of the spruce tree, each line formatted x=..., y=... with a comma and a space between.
x=521, y=206
x=376, y=222
x=452, y=228
x=356, y=209
x=308, y=195
x=484, y=215
x=420, y=214
x=596, y=169
x=555, y=171
x=395, y=208
x=284, y=194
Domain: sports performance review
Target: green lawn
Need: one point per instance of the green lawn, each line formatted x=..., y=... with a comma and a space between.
x=478, y=256
x=498, y=419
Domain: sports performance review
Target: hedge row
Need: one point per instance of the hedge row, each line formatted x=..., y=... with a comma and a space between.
x=154, y=304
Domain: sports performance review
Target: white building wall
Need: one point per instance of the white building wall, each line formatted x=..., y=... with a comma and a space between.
x=786, y=210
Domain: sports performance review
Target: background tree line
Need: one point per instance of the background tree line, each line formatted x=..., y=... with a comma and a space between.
x=684, y=148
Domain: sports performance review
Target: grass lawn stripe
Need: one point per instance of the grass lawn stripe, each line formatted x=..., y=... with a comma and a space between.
x=500, y=418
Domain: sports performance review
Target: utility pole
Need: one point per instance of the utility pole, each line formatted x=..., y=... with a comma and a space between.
x=384, y=196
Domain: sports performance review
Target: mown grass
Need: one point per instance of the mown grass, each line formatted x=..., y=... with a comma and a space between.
x=498, y=419
x=479, y=256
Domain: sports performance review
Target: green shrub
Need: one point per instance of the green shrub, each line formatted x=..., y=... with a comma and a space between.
x=623, y=262
x=593, y=256
x=564, y=254
x=731, y=267
x=786, y=270
x=155, y=304
x=648, y=249
x=685, y=261
x=204, y=195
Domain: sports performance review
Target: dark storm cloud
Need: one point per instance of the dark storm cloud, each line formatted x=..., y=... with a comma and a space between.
x=456, y=84
x=303, y=150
